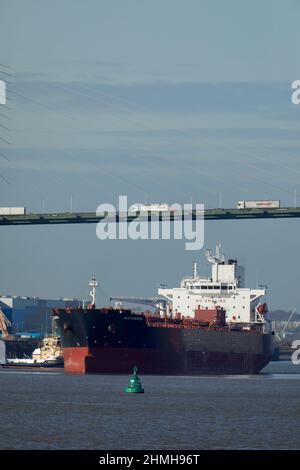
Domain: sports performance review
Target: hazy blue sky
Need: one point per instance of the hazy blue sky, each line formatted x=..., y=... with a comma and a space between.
x=176, y=100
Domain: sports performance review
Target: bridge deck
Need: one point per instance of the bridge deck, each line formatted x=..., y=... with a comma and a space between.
x=91, y=217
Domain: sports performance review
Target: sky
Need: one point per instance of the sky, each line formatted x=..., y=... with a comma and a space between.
x=163, y=102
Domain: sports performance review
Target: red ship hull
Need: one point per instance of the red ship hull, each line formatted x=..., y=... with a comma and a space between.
x=84, y=360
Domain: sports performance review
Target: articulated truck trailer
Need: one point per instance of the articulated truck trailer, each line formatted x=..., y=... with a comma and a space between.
x=266, y=204
x=12, y=211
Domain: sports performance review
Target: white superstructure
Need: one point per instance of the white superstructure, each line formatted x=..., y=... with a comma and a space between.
x=225, y=288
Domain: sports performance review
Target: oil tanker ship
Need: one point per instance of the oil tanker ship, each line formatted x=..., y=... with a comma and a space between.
x=206, y=326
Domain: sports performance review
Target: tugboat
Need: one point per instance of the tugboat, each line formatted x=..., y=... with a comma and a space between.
x=50, y=354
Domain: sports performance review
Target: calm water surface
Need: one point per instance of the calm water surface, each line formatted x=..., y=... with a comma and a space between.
x=52, y=410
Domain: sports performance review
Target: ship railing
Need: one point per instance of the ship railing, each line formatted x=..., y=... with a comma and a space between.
x=246, y=327
x=179, y=324
x=192, y=325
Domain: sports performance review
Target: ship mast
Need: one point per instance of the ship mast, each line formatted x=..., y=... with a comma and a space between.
x=93, y=284
x=195, y=274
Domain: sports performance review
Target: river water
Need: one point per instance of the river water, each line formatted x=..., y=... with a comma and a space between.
x=53, y=410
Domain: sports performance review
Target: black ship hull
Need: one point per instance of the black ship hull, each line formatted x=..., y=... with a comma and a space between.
x=113, y=341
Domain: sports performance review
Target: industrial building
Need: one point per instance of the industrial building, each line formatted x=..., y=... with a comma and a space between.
x=32, y=314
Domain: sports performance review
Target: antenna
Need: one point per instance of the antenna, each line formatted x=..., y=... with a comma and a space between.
x=195, y=275
x=218, y=258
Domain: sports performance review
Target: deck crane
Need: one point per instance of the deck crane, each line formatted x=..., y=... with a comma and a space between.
x=156, y=302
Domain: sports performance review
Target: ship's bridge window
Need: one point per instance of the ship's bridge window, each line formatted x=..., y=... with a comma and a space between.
x=203, y=287
x=224, y=287
x=210, y=287
x=230, y=287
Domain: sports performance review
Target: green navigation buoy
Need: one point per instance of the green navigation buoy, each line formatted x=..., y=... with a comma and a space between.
x=135, y=385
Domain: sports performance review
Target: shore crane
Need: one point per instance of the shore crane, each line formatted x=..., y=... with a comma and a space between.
x=4, y=324
x=282, y=334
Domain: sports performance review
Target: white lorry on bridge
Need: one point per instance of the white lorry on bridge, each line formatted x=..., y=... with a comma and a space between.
x=263, y=204
x=12, y=211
